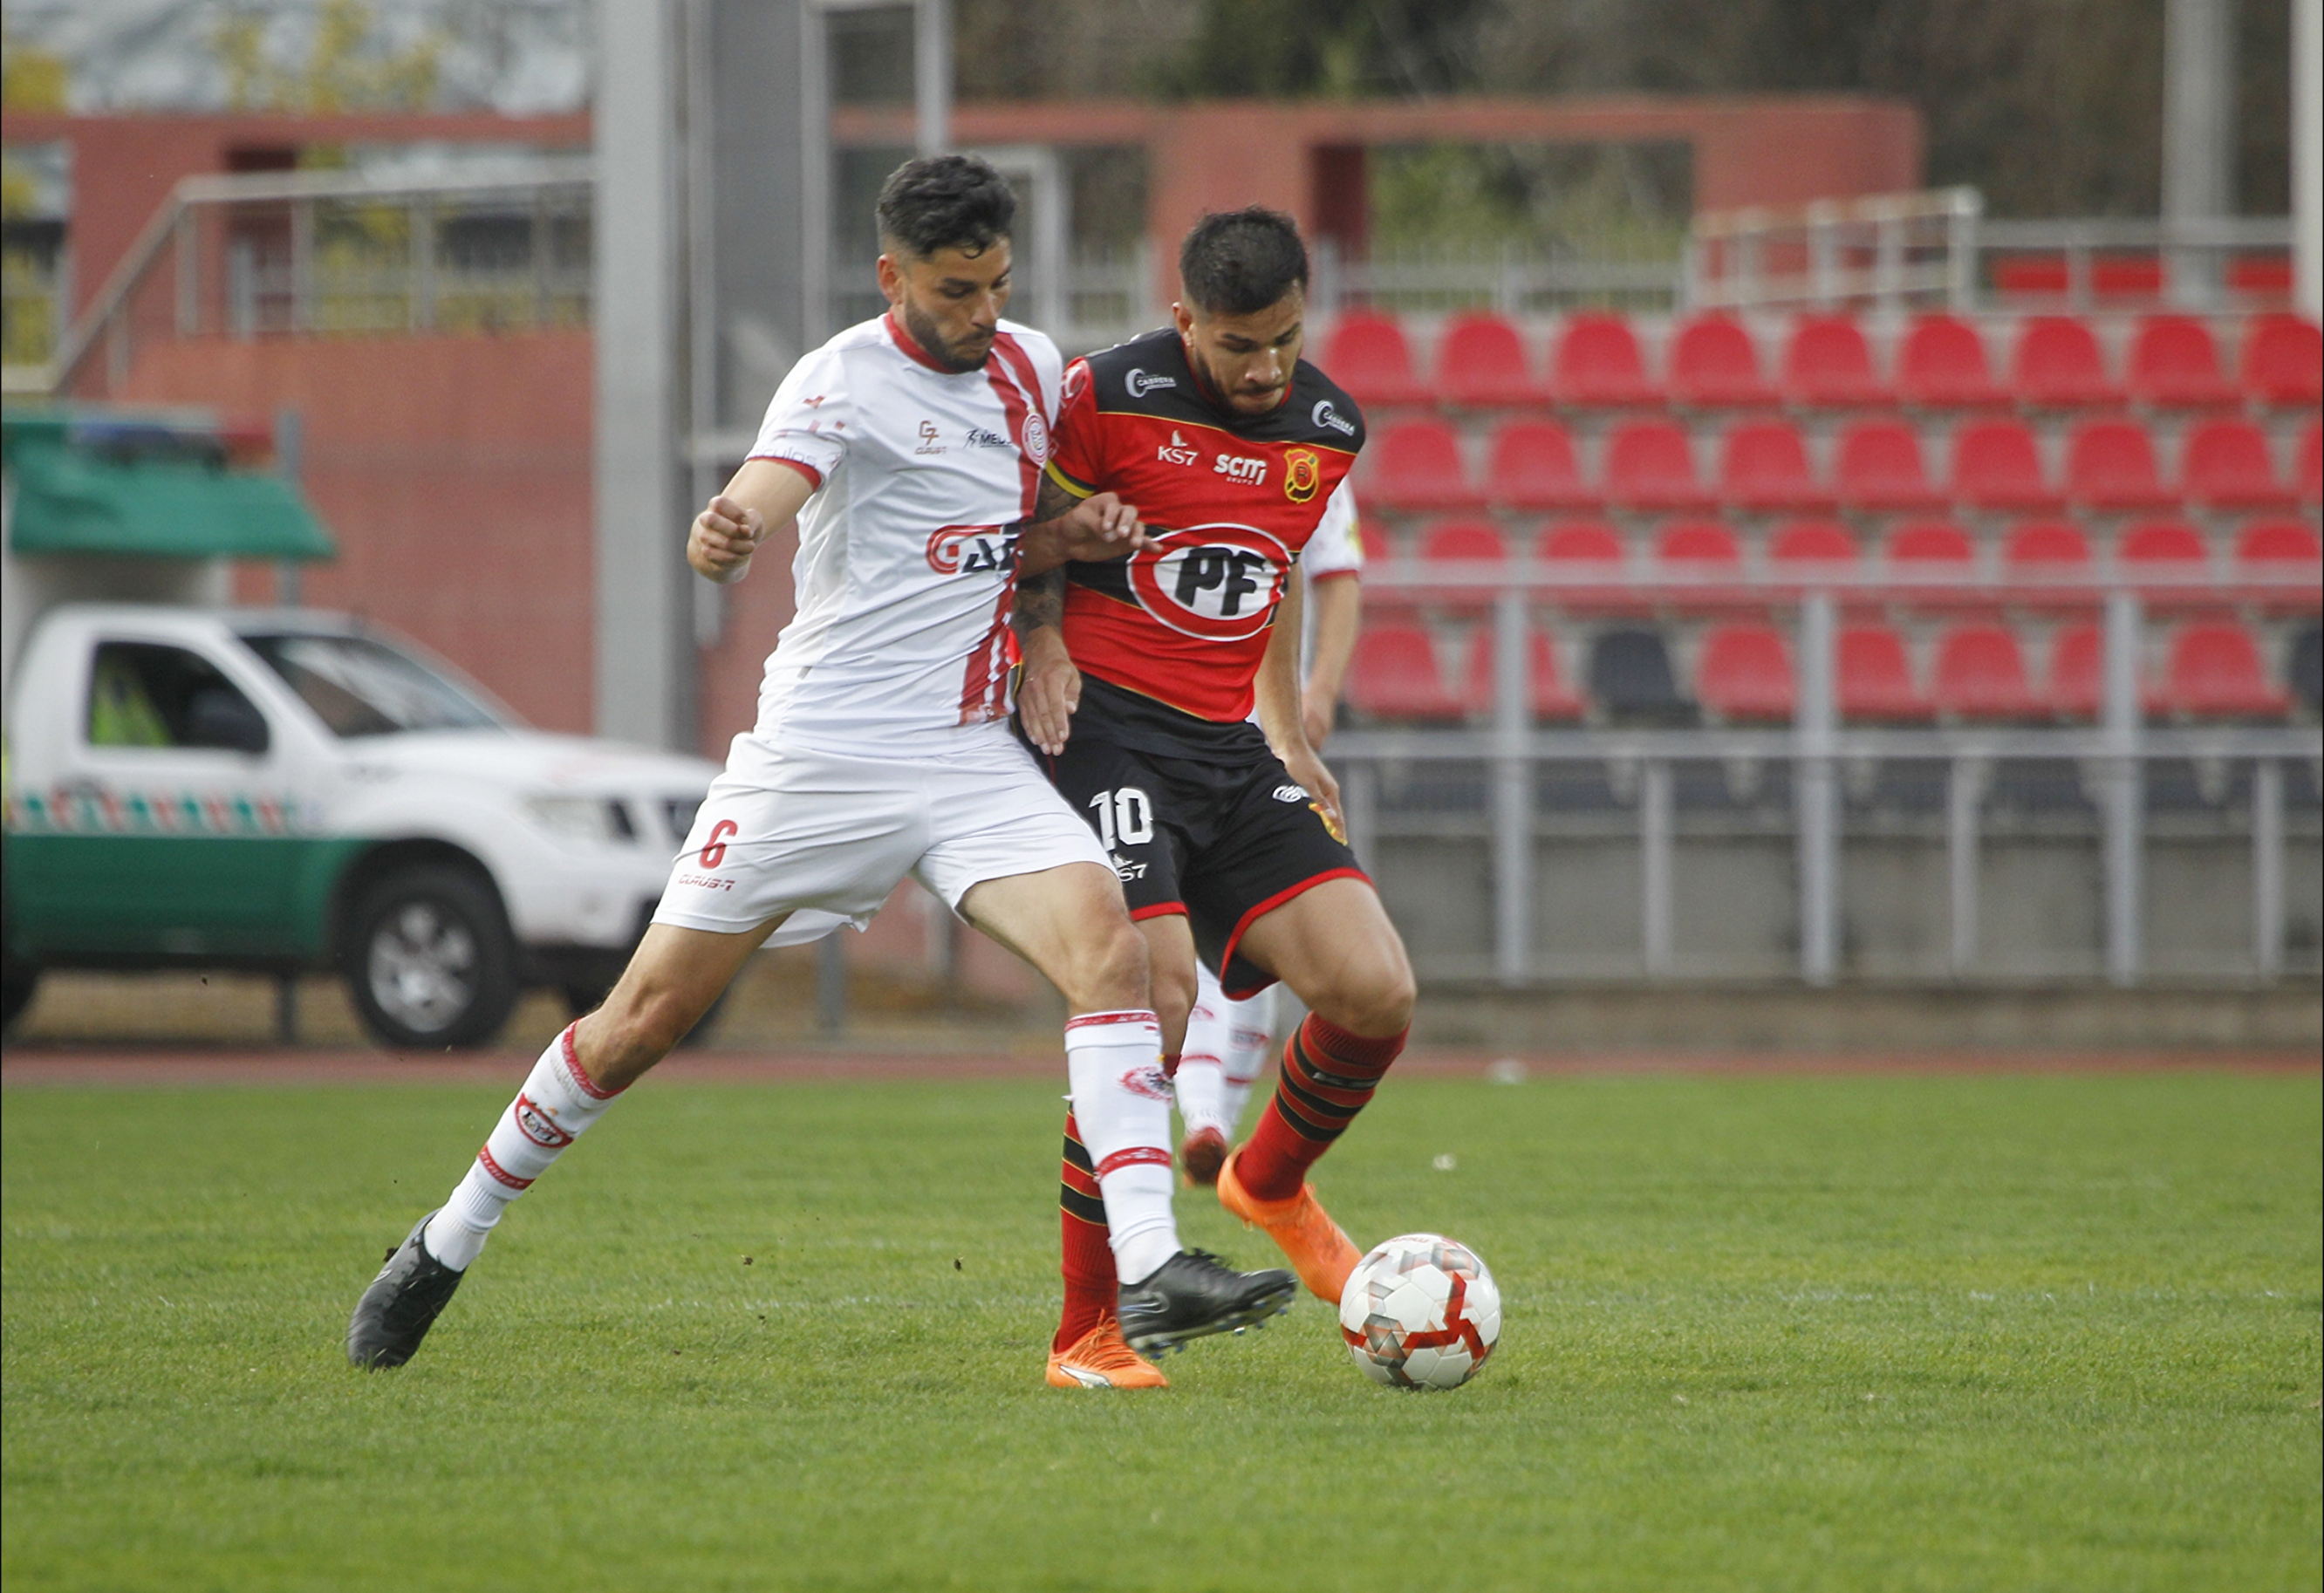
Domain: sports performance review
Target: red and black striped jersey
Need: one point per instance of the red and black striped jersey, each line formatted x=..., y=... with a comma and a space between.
x=1230, y=501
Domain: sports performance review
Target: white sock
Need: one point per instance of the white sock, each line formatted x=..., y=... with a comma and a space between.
x=1122, y=1103
x=1227, y=1047
x=556, y=1103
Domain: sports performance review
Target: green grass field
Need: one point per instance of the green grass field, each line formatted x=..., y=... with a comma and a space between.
x=1997, y=1331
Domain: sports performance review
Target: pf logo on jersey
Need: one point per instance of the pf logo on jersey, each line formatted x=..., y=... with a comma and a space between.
x=1216, y=582
x=1035, y=437
x=957, y=550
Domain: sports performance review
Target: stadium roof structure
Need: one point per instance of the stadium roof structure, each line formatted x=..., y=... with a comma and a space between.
x=138, y=486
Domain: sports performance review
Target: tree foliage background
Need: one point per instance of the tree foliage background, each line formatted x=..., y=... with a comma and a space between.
x=2052, y=106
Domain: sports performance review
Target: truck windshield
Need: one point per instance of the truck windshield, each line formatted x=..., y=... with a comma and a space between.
x=359, y=686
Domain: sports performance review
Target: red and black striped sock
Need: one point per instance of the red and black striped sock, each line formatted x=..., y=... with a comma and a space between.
x=1090, y=1286
x=1328, y=1075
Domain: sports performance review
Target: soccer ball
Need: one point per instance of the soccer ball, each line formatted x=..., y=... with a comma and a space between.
x=1421, y=1312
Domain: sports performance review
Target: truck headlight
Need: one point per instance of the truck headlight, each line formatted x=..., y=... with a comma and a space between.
x=601, y=820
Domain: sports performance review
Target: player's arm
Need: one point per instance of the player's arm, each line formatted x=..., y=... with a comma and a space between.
x=1339, y=605
x=764, y=496
x=1067, y=525
x=1277, y=689
x=1049, y=688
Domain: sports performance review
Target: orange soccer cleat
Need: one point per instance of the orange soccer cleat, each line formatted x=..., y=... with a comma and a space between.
x=1100, y=1359
x=1200, y=1155
x=1319, y=1251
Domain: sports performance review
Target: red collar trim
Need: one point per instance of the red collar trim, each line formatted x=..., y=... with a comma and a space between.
x=905, y=341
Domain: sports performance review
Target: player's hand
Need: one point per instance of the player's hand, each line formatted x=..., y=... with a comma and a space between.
x=1102, y=526
x=1304, y=766
x=724, y=536
x=1316, y=712
x=1048, y=691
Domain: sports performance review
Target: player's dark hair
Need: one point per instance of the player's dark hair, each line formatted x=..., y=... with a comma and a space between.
x=1237, y=262
x=945, y=202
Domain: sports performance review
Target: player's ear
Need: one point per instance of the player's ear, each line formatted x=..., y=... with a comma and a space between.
x=1184, y=317
x=891, y=279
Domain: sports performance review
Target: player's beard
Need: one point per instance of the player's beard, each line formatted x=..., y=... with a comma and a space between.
x=923, y=328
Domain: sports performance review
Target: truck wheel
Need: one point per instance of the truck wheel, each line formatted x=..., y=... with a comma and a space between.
x=18, y=982
x=431, y=962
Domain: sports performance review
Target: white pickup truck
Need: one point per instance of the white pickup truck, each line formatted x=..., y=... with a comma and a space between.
x=288, y=790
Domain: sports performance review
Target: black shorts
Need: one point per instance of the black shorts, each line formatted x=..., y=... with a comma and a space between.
x=1222, y=843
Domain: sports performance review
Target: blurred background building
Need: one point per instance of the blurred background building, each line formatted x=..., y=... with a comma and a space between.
x=1843, y=492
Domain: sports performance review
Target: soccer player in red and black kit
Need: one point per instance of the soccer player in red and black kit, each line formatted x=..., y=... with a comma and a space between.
x=1140, y=676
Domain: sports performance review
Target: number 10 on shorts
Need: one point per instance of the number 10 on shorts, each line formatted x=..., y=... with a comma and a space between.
x=1124, y=817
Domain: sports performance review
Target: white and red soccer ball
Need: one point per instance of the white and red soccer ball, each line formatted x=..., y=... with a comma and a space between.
x=1421, y=1312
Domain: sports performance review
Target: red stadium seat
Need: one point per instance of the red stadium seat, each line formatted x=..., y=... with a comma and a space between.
x=2278, y=542
x=1943, y=365
x=2110, y=464
x=2046, y=546
x=1581, y=541
x=2047, y=551
x=2308, y=473
x=2059, y=365
x=1699, y=543
x=2162, y=545
x=1375, y=542
x=1591, y=550
x=1714, y=363
x=1366, y=353
x=1813, y=543
x=1417, y=465
x=1745, y=672
x=1981, y=675
x=2169, y=561
x=1932, y=545
x=1650, y=465
x=2283, y=362
x=2228, y=466
x=1828, y=364
x=1548, y=698
x=2216, y=672
x=1763, y=464
x=1599, y=363
x=1534, y=467
x=1463, y=542
x=1394, y=674
x=1997, y=464
x=1481, y=363
x=1876, y=677
x=1880, y=467
x=2174, y=363
x=2076, y=686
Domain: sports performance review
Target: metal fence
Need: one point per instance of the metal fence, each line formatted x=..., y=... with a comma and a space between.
x=1514, y=785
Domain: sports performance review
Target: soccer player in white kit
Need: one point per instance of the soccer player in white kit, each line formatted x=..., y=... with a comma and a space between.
x=1229, y=1041
x=909, y=450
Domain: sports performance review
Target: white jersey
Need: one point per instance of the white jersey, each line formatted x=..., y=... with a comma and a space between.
x=1336, y=549
x=906, y=567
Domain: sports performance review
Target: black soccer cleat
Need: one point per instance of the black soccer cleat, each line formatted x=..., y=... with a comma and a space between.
x=1195, y=1293
x=401, y=1304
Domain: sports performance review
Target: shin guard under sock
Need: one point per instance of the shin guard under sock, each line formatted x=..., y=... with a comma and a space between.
x=1328, y=1075
x=1122, y=1103
x=558, y=1101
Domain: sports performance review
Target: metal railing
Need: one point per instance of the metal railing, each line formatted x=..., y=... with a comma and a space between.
x=324, y=252
x=2119, y=749
x=1895, y=251
x=1511, y=280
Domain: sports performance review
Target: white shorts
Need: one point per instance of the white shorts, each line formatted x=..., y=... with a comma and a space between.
x=825, y=837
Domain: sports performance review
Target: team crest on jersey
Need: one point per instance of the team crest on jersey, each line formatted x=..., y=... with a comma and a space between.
x=1034, y=434
x=958, y=550
x=1303, y=473
x=1219, y=582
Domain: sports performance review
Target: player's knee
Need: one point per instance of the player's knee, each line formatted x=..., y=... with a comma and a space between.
x=1372, y=997
x=1112, y=972
x=1176, y=989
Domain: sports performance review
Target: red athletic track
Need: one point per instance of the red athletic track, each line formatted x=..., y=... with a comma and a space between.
x=159, y=1068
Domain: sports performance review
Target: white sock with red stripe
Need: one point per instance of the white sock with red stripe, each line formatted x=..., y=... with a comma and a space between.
x=1228, y=1045
x=556, y=1103
x=1122, y=1103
